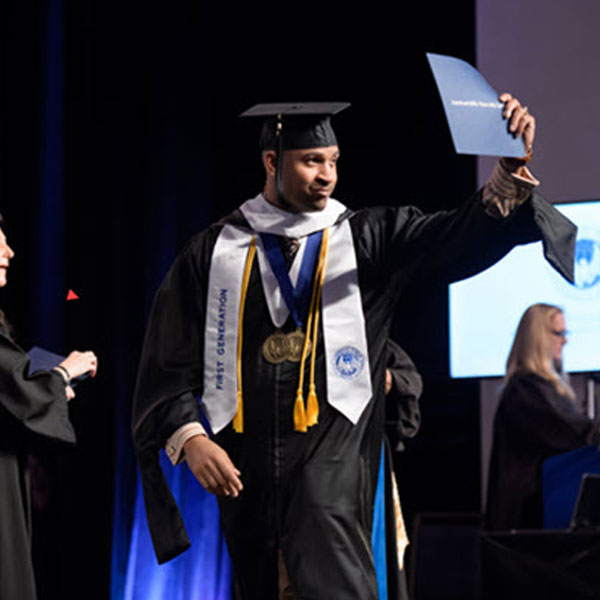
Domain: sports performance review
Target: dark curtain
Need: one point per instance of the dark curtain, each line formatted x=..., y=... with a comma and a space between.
x=105, y=172
x=119, y=140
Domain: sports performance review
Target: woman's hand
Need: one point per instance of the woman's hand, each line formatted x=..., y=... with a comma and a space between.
x=78, y=363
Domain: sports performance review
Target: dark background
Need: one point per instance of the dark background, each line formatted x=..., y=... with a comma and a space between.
x=119, y=139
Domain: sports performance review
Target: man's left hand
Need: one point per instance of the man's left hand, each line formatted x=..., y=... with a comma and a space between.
x=520, y=121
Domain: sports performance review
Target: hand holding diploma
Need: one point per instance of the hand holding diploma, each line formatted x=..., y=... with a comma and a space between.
x=74, y=368
x=476, y=118
x=520, y=121
x=77, y=366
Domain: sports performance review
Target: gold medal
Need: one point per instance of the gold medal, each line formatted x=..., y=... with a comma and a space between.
x=276, y=348
x=296, y=345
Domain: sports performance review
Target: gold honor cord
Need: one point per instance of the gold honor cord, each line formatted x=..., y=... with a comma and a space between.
x=238, y=420
x=304, y=418
x=312, y=403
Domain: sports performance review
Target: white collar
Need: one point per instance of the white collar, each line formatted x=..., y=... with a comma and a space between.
x=264, y=217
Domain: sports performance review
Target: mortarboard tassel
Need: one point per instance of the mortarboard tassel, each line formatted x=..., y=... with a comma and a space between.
x=238, y=420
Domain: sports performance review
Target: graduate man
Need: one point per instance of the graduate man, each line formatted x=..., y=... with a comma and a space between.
x=276, y=319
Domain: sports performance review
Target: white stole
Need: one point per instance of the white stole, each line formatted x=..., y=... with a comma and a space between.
x=348, y=373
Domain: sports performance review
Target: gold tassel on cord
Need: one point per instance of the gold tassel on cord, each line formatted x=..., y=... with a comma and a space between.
x=299, y=413
x=310, y=416
x=238, y=420
x=312, y=405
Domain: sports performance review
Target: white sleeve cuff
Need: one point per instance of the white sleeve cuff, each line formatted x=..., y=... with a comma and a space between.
x=174, y=445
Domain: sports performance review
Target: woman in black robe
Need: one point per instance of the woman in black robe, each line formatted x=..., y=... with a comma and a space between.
x=33, y=414
x=537, y=418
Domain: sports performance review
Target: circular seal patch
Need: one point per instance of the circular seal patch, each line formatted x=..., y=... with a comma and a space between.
x=348, y=362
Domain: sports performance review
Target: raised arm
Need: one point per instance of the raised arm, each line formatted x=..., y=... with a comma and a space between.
x=452, y=245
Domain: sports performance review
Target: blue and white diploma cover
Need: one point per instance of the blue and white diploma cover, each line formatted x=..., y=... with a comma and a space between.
x=473, y=110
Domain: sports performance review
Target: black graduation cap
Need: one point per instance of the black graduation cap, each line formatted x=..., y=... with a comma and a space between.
x=296, y=125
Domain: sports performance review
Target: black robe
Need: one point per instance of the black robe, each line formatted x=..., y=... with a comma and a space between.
x=309, y=494
x=532, y=423
x=402, y=413
x=33, y=412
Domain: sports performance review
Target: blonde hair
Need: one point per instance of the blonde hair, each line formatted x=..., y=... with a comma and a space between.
x=532, y=347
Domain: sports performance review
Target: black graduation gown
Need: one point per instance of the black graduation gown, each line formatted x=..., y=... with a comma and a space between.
x=309, y=494
x=402, y=414
x=533, y=422
x=33, y=410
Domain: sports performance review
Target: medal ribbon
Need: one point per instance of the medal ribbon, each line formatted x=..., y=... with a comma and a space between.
x=298, y=298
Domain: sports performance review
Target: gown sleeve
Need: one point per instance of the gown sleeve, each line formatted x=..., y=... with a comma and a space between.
x=170, y=377
x=452, y=245
x=171, y=365
x=33, y=404
x=403, y=416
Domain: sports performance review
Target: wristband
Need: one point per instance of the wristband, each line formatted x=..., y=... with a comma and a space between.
x=66, y=374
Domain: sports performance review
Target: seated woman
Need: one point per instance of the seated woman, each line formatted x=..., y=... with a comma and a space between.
x=537, y=417
x=33, y=411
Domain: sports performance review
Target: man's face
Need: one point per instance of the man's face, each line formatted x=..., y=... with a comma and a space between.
x=308, y=178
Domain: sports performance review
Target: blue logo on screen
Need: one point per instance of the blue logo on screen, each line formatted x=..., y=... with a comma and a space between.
x=349, y=362
x=587, y=263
